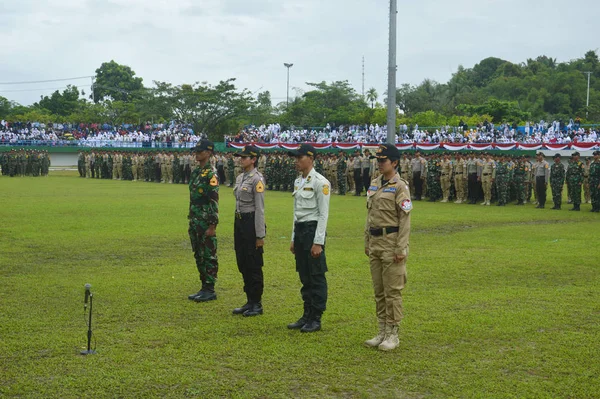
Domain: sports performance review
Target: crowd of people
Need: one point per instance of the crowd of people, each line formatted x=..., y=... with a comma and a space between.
x=180, y=135
x=168, y=135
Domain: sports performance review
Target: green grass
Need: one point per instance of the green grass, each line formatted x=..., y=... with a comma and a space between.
x=501, y=302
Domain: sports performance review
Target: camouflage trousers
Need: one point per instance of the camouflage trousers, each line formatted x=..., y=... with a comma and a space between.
x=205, y=251
x=341, y=182
x=520, y=190
x=575, y=193
x=502, y=189
x=557, y=187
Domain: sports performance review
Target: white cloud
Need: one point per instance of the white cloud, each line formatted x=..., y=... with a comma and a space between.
x=208, y=40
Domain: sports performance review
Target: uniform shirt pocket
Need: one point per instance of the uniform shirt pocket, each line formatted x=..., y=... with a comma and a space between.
x=386, y=202
x=246, y=194
x=308, y=198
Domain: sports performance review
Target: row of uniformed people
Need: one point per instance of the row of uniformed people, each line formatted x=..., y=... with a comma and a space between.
x=387, y=231
x=24, y=163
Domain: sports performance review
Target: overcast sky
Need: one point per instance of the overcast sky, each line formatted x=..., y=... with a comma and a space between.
x=184, y=41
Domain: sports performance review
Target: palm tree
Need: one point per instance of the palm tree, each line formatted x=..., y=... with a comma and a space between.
x=372, y=96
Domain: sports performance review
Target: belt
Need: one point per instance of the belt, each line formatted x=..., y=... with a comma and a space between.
x=303, y=225
x=486, y=174
x=244, y=216
x=384, y=230
x=444, y=174
x=458, y=173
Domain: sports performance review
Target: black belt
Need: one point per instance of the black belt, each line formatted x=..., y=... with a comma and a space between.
x=244, y=216
x=445, y=174
x=458, y=173
x=387, y=230
x=486, y=174
x=304, y=225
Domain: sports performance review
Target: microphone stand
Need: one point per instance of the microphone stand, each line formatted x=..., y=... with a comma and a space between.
x=89, y=351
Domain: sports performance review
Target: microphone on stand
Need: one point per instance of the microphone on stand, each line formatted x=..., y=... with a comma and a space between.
x=87, y=296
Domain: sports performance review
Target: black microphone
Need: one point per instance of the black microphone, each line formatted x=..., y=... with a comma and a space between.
x=87, y=295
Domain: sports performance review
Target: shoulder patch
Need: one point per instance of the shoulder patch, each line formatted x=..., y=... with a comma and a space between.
x=373, y=188
x=326, y=189
x=214, y=181
x=406, y=205
x=260, y=187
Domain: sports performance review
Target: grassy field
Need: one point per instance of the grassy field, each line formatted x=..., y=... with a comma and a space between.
x=501, y=302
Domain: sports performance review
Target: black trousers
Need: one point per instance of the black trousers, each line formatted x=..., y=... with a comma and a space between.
x=249, y=258
x=311, y=270
x=366, y=178
x=472, y=187
x=221, y=173
x=540, y=189
x=358, y=181
x=418, y=185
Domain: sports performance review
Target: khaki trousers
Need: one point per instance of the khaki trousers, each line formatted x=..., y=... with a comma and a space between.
x=388, y=278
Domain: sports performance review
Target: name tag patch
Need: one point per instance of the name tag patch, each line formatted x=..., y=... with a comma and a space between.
x=389, y=190
x=373, y=188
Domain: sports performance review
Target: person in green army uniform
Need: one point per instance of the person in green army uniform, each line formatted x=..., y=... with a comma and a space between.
x=204, y=217
x=341, y=173
x=230, y=170
x=519, y=176
x=35, y=164
x=127, y=166
x=23, y=163
x=595, y=182
x=81, y=164
x=434, y=190
x=4, y=163
x=557, y=181
x=176, y=171
x=574, y=180
x=285, y=174
x=502, y=180
x=319, y=166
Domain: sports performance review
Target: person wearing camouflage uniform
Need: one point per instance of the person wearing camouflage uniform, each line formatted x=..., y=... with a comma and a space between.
x=574, y=180
x=519, y=173
x=595, y=182
x=203, y=218
x=502, y=180
x=341, y=173
x=557, y=181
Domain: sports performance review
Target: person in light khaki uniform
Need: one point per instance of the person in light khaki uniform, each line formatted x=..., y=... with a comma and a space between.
x=387, y=232
x=446, y=177
x=460, y=175
x=487, y=174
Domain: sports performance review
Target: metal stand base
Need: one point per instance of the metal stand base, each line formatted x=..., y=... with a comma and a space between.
x=90, y=352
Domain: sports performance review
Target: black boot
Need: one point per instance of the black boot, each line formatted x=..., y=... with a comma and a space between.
x=206, y=294
x=191, y=297
x=242, y=309
x=255, y=309
x=575, y=208
x=302, y=320
x=313, y=324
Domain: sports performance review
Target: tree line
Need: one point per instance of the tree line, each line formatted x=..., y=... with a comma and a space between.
x=495, y=90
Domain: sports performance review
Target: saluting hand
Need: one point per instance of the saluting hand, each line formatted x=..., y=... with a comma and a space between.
x=211, y=231
x=316, y=250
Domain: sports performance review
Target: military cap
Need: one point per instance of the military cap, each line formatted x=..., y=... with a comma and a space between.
x=248, y=151
x=596, y=153
x=556, y=156
x=575, y=154
x=204, y=145
x=387, y=151
x=540, y=153
x=304, y=149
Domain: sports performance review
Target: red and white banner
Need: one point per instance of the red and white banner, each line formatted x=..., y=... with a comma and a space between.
x=530, y=147
x=505, y=147
x=583, y=146
x=428, y=147
x=455, y=146
x=481, y=147
x=556, y=147
x=404, y=146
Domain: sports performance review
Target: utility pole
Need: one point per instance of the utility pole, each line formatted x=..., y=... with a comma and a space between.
x=288, y=66
x=391, y=95
x=587, y=103
x=93, y=91
x=363, y=77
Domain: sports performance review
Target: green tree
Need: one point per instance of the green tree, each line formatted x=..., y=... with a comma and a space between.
x=116, y=82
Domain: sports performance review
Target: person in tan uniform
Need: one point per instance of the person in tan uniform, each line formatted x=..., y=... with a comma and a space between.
x=387, y=232
x=374, y=168
x=405, y=171
x=487, y=174
x=350, y=173
x=446, y=177
x=587, y=198
x=460, y=174
x=332, y=167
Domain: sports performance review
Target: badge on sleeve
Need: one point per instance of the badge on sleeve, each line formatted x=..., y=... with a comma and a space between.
x=406, y=205
x=214, y=181
x=260, y=187
x=326, y=189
